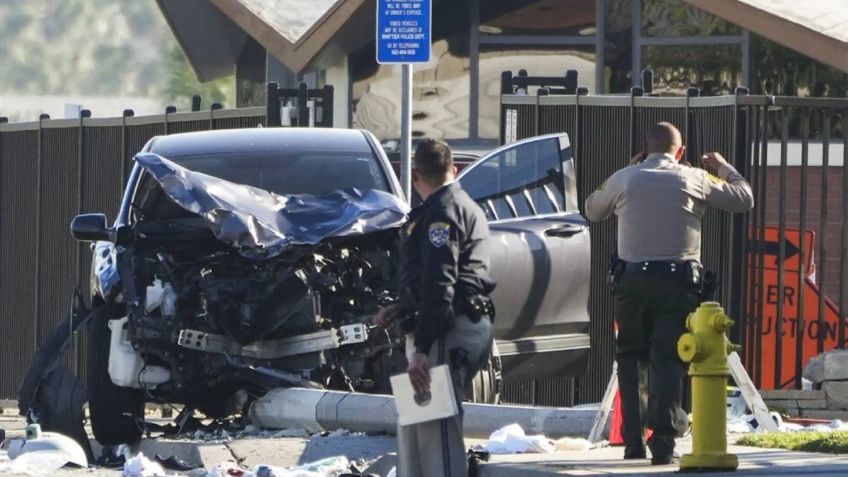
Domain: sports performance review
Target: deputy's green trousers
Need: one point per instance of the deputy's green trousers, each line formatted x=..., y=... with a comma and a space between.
x=651, y=311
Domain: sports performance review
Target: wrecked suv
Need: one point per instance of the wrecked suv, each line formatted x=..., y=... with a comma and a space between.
x=245, y=260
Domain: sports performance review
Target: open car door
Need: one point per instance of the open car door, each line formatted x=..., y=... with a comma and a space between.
x=540, y=256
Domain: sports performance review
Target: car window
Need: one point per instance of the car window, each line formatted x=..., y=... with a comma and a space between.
x=521, y=181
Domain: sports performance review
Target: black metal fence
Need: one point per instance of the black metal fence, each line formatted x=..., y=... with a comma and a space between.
x=52, y=170
x=765, y=266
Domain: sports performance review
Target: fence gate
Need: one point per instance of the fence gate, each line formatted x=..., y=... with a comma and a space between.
x=788, y=150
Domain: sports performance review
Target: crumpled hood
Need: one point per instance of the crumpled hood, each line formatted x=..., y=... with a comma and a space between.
x=261, y=224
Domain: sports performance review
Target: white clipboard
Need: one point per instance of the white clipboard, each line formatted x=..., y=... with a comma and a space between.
x=440, y=405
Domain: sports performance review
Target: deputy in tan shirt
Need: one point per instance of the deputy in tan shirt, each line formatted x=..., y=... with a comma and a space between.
x=660, y=204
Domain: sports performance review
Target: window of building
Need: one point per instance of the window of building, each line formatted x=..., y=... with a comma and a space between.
x=715, y=69
x=538, y=61
x=780, y=71
x=675, y=18
x=537, y=17
x=618, y=51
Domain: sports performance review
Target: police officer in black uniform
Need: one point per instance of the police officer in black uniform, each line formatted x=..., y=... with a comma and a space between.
x=444, y=305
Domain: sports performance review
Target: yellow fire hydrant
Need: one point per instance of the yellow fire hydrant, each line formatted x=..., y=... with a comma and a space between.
x=706, y=347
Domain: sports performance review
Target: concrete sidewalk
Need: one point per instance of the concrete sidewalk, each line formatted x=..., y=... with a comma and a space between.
x=609, y=461
x=606, y=461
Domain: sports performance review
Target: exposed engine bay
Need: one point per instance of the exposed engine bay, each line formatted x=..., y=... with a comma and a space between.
x=210, y=319
x=238, y=289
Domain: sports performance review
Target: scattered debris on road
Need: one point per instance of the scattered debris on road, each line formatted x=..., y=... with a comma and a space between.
x=329, y=467
x=141, y=466
x=511, y=439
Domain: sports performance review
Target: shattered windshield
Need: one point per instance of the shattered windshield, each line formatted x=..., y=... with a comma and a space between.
x=311, y=172
x=261, y=223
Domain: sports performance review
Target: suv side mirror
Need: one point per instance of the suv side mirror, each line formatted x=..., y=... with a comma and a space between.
x=90, y=228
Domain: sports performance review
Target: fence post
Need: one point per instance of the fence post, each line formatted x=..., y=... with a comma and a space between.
x=781, y=255
x=823, y=281
x=128, y=113
x=635, y=92
x=272, y=105
x=84, y=114
x=302, y=105
x=327, y=106
x=738, y=243
x=212, y=108
x=578, y=131
x=506, y=88
x=506, y=82
x=571, y=82
x=39, y=153
x=195, y=102
x=520, y=82
x=648, y=81
x=802, y=245
x=691, y=146
x=762, y=188
x=537, y=112
x=168, y=111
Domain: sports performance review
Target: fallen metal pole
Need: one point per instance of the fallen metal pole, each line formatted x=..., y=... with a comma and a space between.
x=316, y=410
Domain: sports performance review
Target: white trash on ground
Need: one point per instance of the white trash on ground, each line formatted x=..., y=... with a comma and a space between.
x=35, y=464
x=329, y=467
x=140, y=466
x=572, y=444
x=747, y=423
x=511, y=439
x=41, y=453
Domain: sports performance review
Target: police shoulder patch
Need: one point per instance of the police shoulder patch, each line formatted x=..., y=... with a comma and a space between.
x=439, y=233
x=715, y=180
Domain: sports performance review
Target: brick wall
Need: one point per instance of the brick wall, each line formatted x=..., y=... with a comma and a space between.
x=829, y=233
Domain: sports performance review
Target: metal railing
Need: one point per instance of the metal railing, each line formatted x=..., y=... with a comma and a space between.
x=759, y=256
x=52, y=170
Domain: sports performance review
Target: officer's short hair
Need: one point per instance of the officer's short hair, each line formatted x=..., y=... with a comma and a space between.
x=663, y=137
x=433, y=159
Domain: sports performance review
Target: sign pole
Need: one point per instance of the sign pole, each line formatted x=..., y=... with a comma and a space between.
x=404, y=30
x=406, y=132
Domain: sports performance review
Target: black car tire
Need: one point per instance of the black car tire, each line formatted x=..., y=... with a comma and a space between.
x=115, y=411
x=486, y=386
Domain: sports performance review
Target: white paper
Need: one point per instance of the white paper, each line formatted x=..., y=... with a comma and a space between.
x=442, y=403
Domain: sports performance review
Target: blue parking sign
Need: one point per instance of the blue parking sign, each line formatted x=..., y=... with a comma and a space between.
x=403, y=31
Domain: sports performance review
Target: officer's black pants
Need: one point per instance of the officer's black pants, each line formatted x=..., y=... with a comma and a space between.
x=651, y=311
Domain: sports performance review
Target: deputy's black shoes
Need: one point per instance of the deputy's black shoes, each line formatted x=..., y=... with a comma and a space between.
x=634, y=452
x=662, y=450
